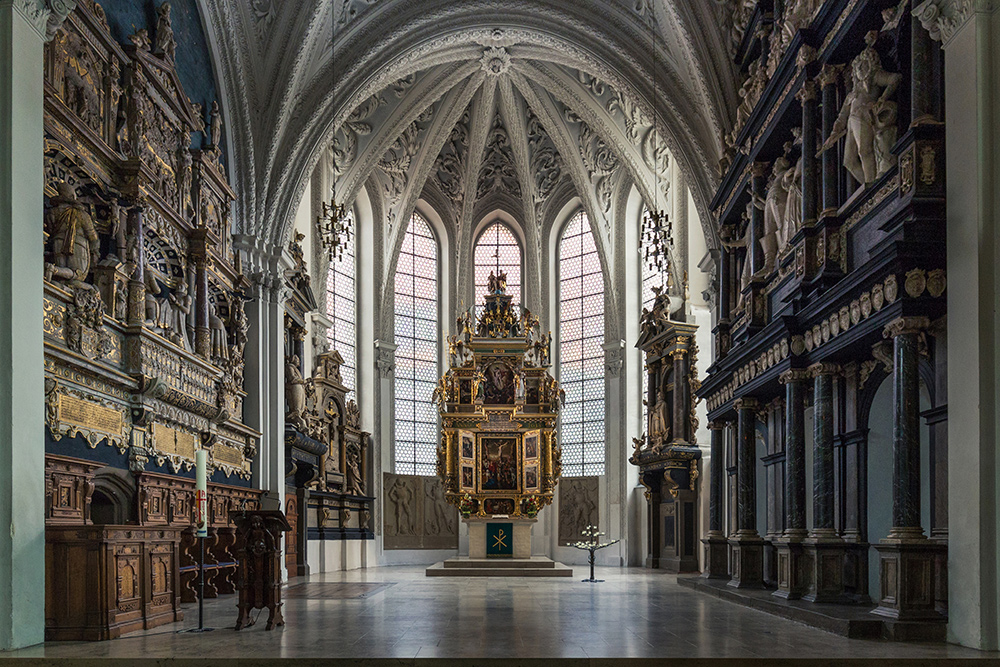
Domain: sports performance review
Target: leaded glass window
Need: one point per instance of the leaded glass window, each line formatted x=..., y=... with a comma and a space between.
x=497, y=250
x=650, y=277
x=341, y=308
x=581, y=350
x=416, y=333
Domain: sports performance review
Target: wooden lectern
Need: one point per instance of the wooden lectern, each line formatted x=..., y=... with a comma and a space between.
x=258, y=536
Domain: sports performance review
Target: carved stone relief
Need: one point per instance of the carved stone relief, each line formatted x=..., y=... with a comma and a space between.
x=416, y=515
x=577, y=507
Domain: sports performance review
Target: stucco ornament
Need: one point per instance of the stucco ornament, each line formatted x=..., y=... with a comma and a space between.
x=495, y=61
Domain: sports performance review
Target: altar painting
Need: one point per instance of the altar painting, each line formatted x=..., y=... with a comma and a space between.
x=498, y=463
x=499, y=384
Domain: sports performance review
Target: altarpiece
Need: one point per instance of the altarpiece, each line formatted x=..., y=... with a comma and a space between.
x=499, y=405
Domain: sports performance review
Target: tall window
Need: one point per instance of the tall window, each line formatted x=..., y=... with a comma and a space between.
x=497, y=250
x=341, y=308
x=581, y=351
x=416, y=350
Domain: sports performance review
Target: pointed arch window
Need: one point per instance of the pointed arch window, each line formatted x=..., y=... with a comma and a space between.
x=416, y=336
x=497, y=249
x=581, y=350
x=341, y=308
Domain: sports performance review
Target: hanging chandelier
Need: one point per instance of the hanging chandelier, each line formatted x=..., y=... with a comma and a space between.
x=656, y=237
x=335, y=227
x=334, y=222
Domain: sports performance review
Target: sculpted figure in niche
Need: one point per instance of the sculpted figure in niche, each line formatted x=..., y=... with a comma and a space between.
x=436, y=510
x=165, y=45
x=295, y=393
x=152, y=303
x=868, y=116
x=75, y=245
x=175, y=310
x=659, y=427
x=773, y=206
x=219, y=338
x=793, y=188
x=355, y=484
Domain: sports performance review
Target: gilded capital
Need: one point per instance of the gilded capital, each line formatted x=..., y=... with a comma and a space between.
x=906, y=325
x=716, y=425
x=759, y=169
x=746, y=403
x=808, y=91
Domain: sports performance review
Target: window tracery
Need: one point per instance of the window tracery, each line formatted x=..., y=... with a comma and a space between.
x=497, y=250
x=416, y=336
x=341, y=308
x=581, y=350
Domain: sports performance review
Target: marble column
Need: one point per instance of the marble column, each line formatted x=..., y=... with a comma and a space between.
x=682, y=410
x=748, y=547
x=136, y=314
x=906, y=556
x=810, y=168
x=828, y=78
x=969, y=33
x=202, y=331
x=824, y=547
x=716, y=545
x=793, y=571
x=24, y=26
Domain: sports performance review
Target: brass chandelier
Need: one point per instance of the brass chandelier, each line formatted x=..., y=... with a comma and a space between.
x=334, y=222
x=656, y=237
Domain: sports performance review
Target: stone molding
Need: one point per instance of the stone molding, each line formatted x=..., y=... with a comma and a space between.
x=794, y=375
x=943, y=18
x=816, y=370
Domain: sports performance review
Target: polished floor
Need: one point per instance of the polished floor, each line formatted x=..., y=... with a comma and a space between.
x=633, y=613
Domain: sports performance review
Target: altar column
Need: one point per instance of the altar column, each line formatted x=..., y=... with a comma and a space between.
x=24, y=27
x=906, y=556
x=824, y=546
x=792, y=579
x=828, y=78
x=748, y=547
x=716, y=545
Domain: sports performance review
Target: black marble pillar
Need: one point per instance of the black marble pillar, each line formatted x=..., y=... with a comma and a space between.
x=681, y=391
x=906, y=333
x=795, y=451
x=823, y=490
x=725, y=286
x=810, y=167
x=828, y=78
x=136, y=314
x=758, y=185
x=926, y=75
x=746, y=476
x=716, y=497
x=202, y=332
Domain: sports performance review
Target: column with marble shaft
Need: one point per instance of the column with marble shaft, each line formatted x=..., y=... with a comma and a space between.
x=793, y=574
x=828, y=78
x=748, y=547
x=755, y=248
x=716, y=545
x=824, y=547
x=906, y=556
x=810, y=168
x=682, y=390
x=136, y=314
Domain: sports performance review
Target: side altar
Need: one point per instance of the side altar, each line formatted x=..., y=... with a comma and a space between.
x=499, y=459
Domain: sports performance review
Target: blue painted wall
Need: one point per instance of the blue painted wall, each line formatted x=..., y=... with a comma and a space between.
x=193, y=60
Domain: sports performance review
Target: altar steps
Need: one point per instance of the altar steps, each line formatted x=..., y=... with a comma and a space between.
x=536, y=566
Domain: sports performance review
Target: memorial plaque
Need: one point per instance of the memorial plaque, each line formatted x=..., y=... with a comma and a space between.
x=225, y=453
x=90, y=415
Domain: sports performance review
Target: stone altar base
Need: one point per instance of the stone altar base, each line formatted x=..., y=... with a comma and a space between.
x=535, y=566
x=521, y=538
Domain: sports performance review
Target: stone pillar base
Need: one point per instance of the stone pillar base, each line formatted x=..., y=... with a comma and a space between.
x=793, y=567
x=748, y=560
x=826, y=569
x=716, y=556
x=906, y=578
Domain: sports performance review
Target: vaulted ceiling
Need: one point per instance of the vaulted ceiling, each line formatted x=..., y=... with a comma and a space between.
x=479, y=104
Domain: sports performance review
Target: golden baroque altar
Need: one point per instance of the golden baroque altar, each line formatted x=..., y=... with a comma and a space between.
x=498, y=405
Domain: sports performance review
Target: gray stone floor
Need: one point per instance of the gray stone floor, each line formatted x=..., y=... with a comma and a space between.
x=634, y=613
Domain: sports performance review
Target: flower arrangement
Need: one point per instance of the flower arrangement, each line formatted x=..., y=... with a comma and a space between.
x=530, y=505
x=591, y=542
x=466, y=504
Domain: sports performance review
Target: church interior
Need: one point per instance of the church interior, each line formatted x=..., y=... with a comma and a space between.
x=395, y=320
